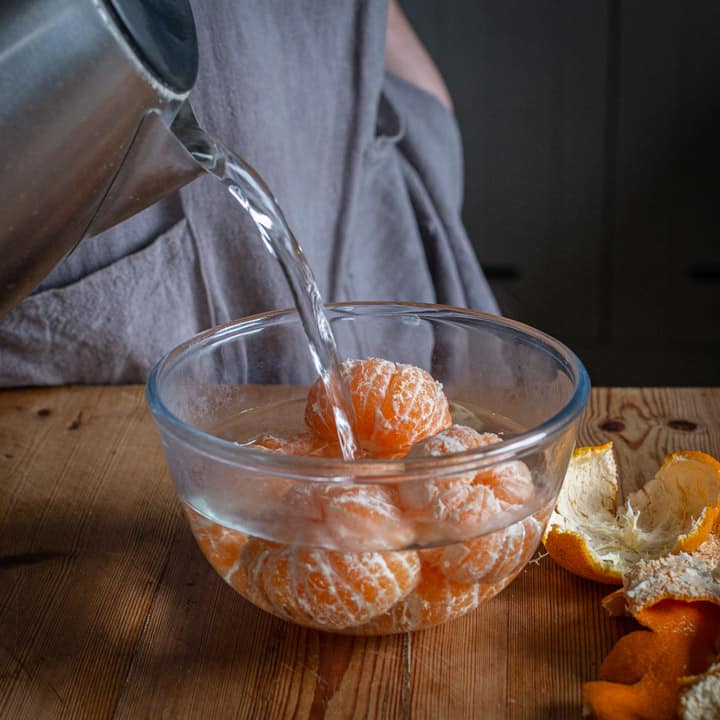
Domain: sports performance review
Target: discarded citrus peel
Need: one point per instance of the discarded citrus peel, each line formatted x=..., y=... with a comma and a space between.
x=700, y=695
x=656, y=674
x=683, y=576
x=591, y=536
x=640, y=675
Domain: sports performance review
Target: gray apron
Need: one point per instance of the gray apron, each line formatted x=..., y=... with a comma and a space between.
x=367, y=168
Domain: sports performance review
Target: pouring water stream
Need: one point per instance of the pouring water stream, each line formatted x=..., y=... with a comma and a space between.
x=249, y=189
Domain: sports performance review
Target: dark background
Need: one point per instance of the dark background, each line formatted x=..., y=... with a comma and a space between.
x=592, y=185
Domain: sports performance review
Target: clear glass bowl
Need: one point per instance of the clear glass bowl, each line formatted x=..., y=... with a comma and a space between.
x=371, y=546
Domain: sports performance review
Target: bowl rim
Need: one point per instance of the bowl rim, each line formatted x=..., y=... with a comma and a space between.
x=363, y=470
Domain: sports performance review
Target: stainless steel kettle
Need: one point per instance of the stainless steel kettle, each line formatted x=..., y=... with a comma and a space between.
x=93, y=115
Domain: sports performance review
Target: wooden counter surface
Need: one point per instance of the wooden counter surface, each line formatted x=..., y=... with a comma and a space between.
x=109, y=610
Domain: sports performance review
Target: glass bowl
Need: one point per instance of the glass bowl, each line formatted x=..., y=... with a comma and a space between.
x=368, y=546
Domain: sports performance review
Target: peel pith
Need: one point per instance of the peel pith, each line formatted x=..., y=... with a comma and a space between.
x=591, y=536
x=700, y=694
x=682, y=576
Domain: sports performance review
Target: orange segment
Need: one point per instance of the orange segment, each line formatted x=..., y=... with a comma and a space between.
x=459, y=505
x=304, y=443
x=325, y=589
x=455, y=439
x=511, y=482
x=459, y=512
x=353, y=518
x=221, y=547
x=396, y=405
x=427, y=497
x=435, y=600
x=366, y=515
x=489, y=558
x=309, y=444
x=422, y=494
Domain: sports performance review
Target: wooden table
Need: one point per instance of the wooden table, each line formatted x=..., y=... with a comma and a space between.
x=108, y=609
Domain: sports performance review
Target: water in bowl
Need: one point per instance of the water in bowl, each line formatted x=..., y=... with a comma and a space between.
x=346, y=571
x=286, y=418
x=264, y=505
x=326, y=557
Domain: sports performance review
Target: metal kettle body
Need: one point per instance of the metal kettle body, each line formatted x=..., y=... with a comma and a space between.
x=92, y=112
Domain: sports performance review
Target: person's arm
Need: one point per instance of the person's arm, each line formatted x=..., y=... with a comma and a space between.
x=406, y=57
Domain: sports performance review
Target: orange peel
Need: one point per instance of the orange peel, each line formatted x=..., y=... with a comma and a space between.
x=640, y=674
x=667, y=672
x=700, y=695
x=593, y=536
x=682, y=576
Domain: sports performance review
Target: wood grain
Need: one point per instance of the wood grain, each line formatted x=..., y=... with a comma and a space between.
x=87, y=516
x=108, y=609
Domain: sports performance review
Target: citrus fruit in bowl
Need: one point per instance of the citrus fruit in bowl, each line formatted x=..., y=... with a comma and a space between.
x=464, y=425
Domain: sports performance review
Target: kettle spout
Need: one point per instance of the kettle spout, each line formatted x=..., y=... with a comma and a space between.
x=158, y=163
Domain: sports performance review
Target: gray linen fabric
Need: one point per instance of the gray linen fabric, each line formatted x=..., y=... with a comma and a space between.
x=367, y=168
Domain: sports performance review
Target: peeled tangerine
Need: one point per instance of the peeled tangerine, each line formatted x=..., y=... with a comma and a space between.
x=436, y=599
x=396, y=405
x=363, y=581
x=323, y=588
x=458, y=506
x=221, y=546
x=589, y=535
x=673, y=668
x=355, y=517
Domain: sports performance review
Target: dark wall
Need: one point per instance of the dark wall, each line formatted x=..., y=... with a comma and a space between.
x=592, y=188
